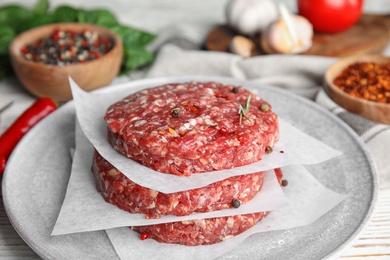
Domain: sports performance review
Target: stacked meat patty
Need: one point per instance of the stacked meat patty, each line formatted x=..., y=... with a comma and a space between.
x=185, y=129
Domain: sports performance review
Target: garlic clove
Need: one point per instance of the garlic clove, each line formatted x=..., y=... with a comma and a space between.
x=242, y=46
x=278, y=38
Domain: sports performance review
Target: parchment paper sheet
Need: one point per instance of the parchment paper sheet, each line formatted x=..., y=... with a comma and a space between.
x=84, y=209
x=298, y=147
x=309, y=200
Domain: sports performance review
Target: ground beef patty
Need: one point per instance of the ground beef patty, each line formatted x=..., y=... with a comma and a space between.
x=191, y=128
x=201, y=231
x=183, y=129
x=119, y=190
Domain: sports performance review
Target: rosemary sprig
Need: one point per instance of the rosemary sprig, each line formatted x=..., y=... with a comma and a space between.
x=244, y=108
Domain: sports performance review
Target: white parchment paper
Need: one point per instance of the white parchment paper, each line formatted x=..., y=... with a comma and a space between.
x=84, y=209
x=298, y=147
x=303, y=201
x=308, y=200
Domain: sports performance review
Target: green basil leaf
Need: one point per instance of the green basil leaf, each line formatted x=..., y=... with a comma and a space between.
x=41, y=7
x=135, y=57
x=6, y=36
x=5, y=66
x=40, y=20
x=15, y=17
x=65, y=14
x=133, y=36
x=101, y=17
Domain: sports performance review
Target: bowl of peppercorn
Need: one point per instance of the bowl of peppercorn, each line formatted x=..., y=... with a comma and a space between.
x=361, y=85
x=45, y=56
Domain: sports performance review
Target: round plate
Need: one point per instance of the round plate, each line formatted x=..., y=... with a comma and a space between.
x=37, y=174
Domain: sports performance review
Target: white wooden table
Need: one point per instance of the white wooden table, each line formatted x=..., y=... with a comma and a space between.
x=153, y=15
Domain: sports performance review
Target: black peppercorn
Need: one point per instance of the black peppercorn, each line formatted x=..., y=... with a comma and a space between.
x=175, y=112
x=236, y=203
x=268, y=149
x=235, y=90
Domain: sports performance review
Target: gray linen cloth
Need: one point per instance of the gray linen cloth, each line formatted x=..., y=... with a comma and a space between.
x=179, y=52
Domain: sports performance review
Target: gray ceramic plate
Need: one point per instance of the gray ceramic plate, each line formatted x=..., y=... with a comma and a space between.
x=35, y=183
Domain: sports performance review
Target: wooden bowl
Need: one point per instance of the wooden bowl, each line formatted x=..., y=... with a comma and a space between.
x=44, y=80
x=375, y=111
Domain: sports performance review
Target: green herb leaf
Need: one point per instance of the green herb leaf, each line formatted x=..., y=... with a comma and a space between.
x=134, y=57
x=244, y=109
x=133, y=36
x=15, y=17
x=101, y=17
x=65, y=14
x=40, y=20
x=41, y=7
x=6, y=36
x=5, y=66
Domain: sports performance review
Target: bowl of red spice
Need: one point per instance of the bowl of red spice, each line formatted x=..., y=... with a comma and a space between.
x=361, y=85
x=45, y=56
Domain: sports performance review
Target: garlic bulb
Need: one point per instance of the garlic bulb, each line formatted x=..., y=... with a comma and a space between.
x=249, y=17
x=280, y=38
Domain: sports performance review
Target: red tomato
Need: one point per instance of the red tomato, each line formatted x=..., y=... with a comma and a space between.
x=331, y=16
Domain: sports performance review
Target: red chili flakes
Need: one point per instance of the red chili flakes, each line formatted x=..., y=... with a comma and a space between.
x=194, y=108
x=366, y=80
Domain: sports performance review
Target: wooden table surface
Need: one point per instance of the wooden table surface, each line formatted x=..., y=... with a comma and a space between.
x=153, y=15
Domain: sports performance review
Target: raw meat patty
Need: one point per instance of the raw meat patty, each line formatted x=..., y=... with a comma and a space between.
x=185, y=129
x=119, y=190
x=203, y=231
x=191, y=128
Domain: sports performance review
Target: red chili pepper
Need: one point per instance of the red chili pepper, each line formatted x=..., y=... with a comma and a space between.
x=2, y=163
x=9, y=139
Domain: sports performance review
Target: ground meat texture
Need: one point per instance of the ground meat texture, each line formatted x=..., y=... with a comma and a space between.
x=202, y=231
x=191, y=128
x=117, y=189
